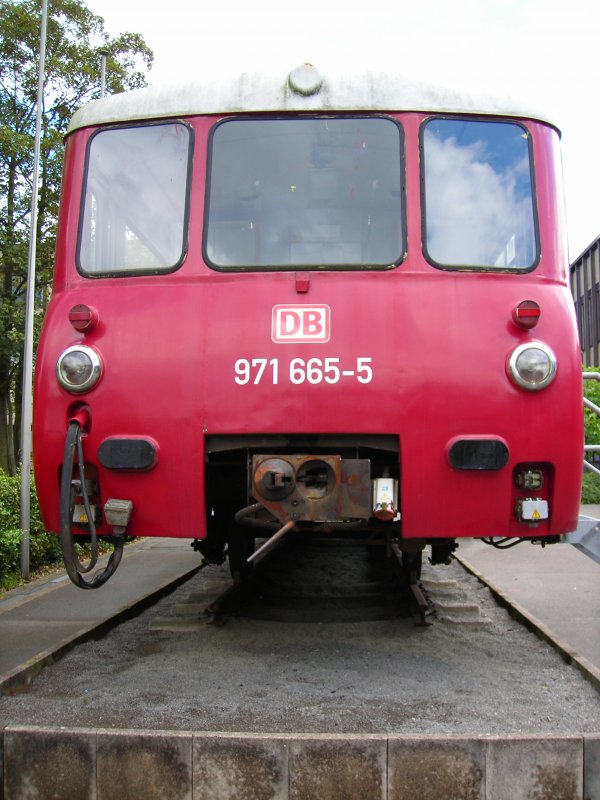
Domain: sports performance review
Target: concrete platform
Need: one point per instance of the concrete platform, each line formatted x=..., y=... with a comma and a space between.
x=164, y=765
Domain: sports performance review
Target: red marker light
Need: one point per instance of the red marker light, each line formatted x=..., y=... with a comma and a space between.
x=83, y=318
x=526, y=314
x=302, y=282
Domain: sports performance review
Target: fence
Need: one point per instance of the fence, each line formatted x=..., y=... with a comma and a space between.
x=585, y=287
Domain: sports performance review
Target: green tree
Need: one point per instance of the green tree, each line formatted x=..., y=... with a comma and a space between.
x=75, y=38
x=591, y=390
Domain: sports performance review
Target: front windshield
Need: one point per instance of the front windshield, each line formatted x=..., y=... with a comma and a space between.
x=308, y=192
x=479, y=208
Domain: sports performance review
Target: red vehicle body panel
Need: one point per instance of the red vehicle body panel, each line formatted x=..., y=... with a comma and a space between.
x=438, y=339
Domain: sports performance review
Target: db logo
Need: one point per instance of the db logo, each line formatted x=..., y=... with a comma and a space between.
x=300, y=323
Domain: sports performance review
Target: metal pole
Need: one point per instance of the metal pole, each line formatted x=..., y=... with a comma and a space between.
x=103, y=55
x=29, y=312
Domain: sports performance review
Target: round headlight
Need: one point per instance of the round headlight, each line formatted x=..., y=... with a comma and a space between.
x=78, y=369
x=532, y=366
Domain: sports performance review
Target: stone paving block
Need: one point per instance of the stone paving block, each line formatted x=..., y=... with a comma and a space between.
x=591, y=766
x=331, y=767
x=234, y=766
x=142, y=764
x=535, y=768
x=49, y=763
x=432, y=768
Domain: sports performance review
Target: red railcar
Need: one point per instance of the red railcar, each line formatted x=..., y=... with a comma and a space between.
x=319, y=301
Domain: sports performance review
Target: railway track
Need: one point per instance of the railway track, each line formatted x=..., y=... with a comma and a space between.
x=318, y=579
x=307, y=579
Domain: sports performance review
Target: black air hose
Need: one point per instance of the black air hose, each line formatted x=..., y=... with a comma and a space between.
x=72, y=564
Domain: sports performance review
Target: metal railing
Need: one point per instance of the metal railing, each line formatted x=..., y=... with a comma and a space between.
x=591, y=448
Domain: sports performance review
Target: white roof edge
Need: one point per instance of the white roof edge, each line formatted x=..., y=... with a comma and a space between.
x=260, y=92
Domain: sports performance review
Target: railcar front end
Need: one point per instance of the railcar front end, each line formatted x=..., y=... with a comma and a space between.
x=353, y=319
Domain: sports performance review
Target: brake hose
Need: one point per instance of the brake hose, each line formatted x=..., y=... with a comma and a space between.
x=74, y=568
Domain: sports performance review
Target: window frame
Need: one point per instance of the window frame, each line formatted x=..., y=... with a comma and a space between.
x=134, y=273
x=307, y=267
x=423, y=196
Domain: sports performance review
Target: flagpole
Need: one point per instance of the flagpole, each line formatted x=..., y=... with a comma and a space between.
x=27, y=399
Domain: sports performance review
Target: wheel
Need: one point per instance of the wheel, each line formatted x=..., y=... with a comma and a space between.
x=411, y=567
x=377, y=550
x=240, y=545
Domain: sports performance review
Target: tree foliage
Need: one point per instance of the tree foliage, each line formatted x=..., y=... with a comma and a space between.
x=591, y=390
x=44, y=548
x=591, y=481
x=75, y=37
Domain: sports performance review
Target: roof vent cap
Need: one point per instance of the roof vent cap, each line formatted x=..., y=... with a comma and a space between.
x=305, y=80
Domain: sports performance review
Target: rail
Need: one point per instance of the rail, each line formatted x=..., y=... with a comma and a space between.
x=591, y=448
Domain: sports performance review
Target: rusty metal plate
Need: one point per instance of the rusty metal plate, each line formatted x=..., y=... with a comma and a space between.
x=313, y=488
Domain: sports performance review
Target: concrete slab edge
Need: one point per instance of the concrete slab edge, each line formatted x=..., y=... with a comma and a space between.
x=589, y=671
x=18, y=679
x=106, y=764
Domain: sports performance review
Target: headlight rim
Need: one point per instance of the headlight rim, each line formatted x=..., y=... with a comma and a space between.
x=516, y=376
x=89, y=383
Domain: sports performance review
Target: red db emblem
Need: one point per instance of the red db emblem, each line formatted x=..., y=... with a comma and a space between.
x=300, y=323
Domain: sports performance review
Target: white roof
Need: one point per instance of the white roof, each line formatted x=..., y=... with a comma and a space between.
x=295, y=91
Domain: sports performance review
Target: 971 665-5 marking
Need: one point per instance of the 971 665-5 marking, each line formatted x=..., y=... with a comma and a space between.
x=299, y=370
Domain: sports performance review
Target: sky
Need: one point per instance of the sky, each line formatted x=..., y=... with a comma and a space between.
x=543, y=50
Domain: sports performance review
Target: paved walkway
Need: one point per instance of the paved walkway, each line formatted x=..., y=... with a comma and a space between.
x=558, y=585
x=41, y=616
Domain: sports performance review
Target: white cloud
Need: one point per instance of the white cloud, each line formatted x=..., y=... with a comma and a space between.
x=474, y=214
